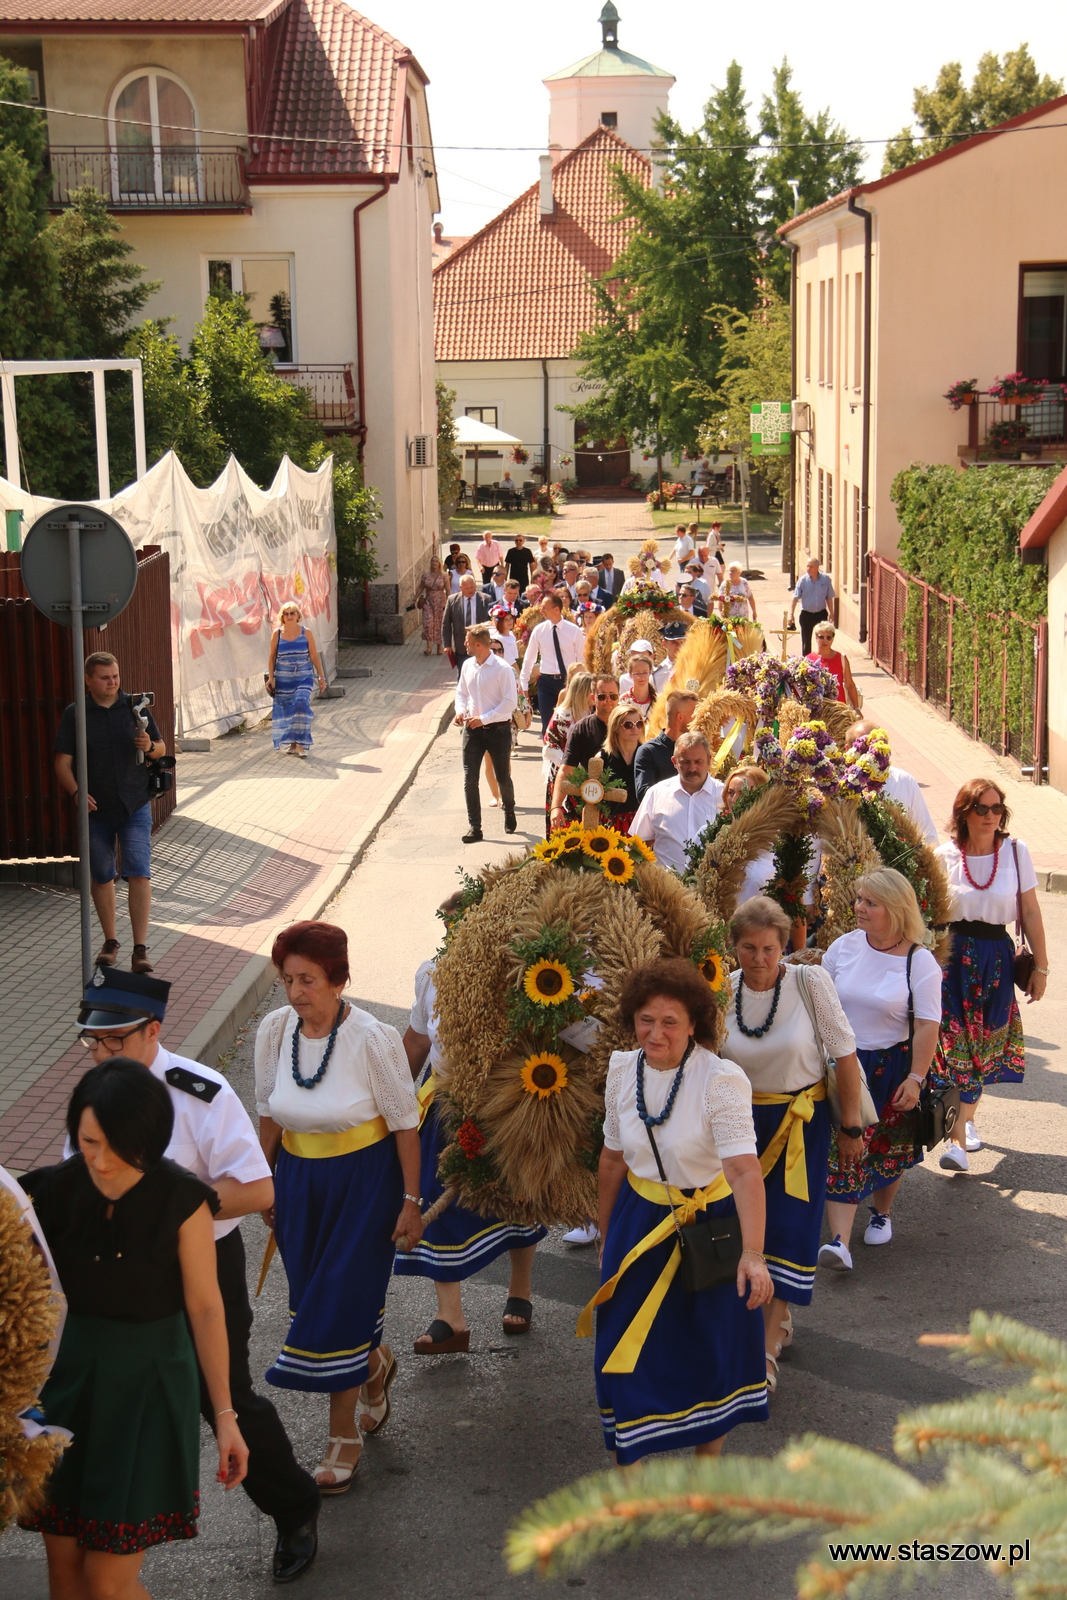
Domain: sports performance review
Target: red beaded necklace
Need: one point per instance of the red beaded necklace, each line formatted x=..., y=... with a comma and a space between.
x=992, y=875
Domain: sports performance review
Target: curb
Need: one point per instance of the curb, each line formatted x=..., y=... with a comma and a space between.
x=1055, y=882
x=222, y=1022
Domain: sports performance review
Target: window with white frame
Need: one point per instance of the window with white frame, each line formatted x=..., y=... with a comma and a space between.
x=153, y=130
x=267, y=284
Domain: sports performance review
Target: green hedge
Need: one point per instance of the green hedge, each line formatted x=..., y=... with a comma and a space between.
x=960, y=532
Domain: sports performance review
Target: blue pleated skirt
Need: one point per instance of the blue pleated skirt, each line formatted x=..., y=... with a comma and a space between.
x=791, y=1242
x=334, y=1217
x=981, y=1039
x=892, y=1145
x=460, y=1242
x=702, y=1368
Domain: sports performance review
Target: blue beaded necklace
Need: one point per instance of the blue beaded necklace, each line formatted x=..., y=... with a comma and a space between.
x=642, y=1110
x=309, y=1083
x=757, y=1033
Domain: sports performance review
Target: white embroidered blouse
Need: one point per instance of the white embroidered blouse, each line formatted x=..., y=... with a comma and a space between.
x=711, y=1118
x=368, y=1076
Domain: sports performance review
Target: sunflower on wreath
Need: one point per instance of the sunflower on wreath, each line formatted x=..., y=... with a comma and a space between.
x=709, y=957
x=551, y=970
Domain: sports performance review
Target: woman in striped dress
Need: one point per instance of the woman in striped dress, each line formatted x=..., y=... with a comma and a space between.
x=294, y=667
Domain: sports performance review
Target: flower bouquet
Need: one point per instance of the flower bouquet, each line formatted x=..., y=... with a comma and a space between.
x=1015, y=390
x=520, y=456
x=963, y=393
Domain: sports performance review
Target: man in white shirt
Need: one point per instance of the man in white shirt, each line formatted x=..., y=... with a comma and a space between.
x=486, y=697
x=554, y=646
x=900, y=786
x=683, y=545
x=675, y=811
x=673, y=636
x=571, y=574
x=214, y=1138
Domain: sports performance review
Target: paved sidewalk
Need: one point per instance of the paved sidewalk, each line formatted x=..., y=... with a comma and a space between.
x=258, y=839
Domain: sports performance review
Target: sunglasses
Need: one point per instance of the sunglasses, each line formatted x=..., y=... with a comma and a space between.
x=607, y=697
x=984, y=811
x=631, y=725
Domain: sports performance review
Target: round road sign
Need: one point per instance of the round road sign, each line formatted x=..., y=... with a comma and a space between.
x=108, y=563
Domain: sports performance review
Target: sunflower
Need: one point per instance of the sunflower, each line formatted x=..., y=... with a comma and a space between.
x=617, y=866
x=548, y=983
x=547, y=849
x=598, y=841
x=544, y=1074
x=714, y=970
x=642, y=847
x=570, y=844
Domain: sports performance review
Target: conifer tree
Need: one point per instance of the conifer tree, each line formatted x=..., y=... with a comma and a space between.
x=949, y=112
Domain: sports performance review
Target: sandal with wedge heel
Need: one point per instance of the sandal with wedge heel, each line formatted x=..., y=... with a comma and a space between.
x=374, y=1414
x=343, y=1471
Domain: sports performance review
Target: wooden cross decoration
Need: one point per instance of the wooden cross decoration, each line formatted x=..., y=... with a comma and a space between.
x=782, y=633
x=592, y=793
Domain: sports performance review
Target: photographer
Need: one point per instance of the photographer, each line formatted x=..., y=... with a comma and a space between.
x=118, y=798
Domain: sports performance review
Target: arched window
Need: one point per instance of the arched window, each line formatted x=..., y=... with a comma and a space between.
x=153, y=127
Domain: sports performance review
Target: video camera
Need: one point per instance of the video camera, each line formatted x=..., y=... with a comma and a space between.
x=161, y=769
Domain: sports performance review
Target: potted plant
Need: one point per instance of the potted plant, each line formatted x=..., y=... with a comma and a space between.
x=565, y=461
x=1017, y=390
x=520, y=456
x=538, y=469
x=1007, y=438
x=963, y=393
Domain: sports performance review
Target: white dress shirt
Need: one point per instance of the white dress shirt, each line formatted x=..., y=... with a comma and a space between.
x=668, y=818
x=902, y=787
x=541, y=649
x=661, y=674
x=487, y=691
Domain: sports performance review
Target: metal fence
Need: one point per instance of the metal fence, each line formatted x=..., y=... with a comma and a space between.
x=152, y=177
x=36, y=683
x=331, y=386
x=986, y=671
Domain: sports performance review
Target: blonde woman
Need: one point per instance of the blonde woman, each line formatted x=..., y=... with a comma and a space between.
x=433, y=592
x=626, y=732
x=735, y=597
x=291, y=674
x=575, y=702
x=889, y=986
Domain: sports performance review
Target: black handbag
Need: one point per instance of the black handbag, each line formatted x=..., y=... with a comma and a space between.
x=711, y=1246
x=938, y=1110
x=1024, y=964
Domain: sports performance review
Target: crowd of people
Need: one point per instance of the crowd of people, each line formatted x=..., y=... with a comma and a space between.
x=730, y=1172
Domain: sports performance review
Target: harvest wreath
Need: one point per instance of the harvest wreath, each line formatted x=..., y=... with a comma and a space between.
x=527, y=1000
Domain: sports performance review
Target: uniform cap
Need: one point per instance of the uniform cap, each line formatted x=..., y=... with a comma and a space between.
x=117, y=999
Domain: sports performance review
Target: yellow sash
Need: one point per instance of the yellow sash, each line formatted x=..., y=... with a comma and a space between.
x=727, y=744
x=425, y=1097
x=624, y=1356
x=789, y=1135
x=335, y=1144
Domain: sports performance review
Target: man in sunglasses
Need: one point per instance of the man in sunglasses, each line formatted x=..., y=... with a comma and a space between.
x=585, y=740
x=213, y=1137
x=899, y=785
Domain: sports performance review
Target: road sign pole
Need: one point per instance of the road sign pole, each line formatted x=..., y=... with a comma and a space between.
x=81, y=760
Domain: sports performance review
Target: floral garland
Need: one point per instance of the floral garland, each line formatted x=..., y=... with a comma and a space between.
x=616, y=855
x=866, y=764
x=818, y=770
x=645, y=596
x=767, y=681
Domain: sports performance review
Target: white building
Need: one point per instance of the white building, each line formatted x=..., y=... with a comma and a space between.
x=511, y=303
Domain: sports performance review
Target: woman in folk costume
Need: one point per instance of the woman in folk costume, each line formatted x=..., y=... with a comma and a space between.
x=457, y=1243
x=676, y=1367
x=338, y=1120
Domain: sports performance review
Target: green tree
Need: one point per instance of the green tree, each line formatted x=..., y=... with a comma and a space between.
x=1003, y=87
x=355, y=511
x=449, y=466
x=755, y=365
x=839, y=1492
x=102, y=288
x=813, y=152
x=175, y=407
x=694, y=247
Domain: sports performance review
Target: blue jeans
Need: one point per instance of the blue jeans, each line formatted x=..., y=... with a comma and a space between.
x=135, y=840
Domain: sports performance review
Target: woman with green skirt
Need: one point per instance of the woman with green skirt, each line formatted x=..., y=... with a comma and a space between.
x=133, y=1244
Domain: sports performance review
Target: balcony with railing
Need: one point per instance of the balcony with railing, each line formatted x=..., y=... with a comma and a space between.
x=332, y=388
x=152, y=177
x=1016, y=432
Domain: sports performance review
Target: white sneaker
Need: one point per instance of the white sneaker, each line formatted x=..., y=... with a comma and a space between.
x=589, y=1234
x=954, y=1159
x=879, y=1230
x=971, y=1140
x=836, y=1256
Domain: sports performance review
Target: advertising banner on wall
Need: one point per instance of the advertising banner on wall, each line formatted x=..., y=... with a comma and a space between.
x=237, y=554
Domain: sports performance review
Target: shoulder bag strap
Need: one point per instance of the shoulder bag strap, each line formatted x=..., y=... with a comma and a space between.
x=911, y=1003
x=809, y=1006
x=659, y=1164
x=1020, y=931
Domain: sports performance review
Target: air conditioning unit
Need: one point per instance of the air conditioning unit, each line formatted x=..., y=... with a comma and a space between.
x=421, y=451
x=800, y=419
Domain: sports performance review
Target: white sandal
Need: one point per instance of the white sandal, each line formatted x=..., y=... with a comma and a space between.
x=378, y=1411
x=343, y=1471
x=787, y=1331
x=772, y=1377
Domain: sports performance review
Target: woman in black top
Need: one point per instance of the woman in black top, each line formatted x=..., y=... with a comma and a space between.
x=626, y=732
x=133, y=1244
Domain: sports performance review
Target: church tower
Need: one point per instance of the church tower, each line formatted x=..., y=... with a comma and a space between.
x=610, y=89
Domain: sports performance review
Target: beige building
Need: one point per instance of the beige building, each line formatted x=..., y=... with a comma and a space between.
x=958, y=267
x=1044, y=539
x=281, y=148
x=512, y=301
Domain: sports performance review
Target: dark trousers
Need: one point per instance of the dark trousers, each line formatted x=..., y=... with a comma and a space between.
x=809, y=620
x=495, y=739
x=549, y=688
x=276, y=1483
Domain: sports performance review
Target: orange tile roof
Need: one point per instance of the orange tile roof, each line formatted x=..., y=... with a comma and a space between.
x=83, y=14
x=333, y=81
x=519, y=289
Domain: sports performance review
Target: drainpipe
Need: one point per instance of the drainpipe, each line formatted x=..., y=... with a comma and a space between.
x=361, y=401
x=547, y=479
x=865, y=473
x=794, y=256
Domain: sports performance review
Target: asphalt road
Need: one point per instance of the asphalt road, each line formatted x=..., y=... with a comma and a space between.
x=475, y=1438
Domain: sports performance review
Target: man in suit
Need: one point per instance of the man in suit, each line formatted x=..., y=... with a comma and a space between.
x=462, y=612
x=611, y=579
x=493, y=588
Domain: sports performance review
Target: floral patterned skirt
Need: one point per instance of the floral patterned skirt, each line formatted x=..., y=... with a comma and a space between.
x=981, y=1038
x=892, y=1145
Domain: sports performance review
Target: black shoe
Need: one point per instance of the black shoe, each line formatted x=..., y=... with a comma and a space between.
x=294, y=1552
x=473, y=837
x=510, y=825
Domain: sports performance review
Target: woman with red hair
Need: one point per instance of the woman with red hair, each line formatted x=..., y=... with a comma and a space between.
x=993, y=883
x=338, y=1122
